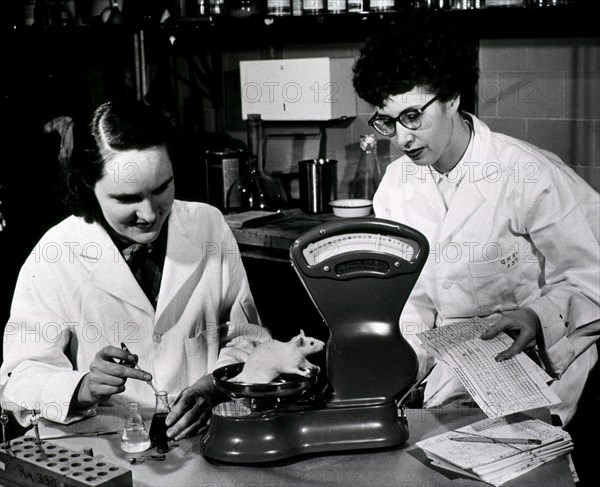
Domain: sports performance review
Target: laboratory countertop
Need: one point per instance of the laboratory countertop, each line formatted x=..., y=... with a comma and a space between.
x=404, y=466
x=273, y=239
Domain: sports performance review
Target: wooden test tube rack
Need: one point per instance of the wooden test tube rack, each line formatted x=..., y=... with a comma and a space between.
x=26, y=463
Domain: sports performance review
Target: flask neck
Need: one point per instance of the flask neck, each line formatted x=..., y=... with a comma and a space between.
x=255, y=142
x=134, y=417
x=162, y=403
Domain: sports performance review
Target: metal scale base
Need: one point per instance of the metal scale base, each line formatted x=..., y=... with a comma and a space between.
x=276, y=435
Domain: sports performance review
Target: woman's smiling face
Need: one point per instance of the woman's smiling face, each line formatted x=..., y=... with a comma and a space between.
x=136, y=193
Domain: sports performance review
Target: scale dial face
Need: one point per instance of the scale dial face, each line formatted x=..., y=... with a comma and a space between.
x=337, y=245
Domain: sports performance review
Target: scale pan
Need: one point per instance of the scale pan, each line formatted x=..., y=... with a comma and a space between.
x=285, y=385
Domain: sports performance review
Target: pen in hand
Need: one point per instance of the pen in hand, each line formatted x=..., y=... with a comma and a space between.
x=486, y=439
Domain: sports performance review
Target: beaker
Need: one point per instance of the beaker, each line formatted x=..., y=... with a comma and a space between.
x=318, y=184
x=158, y=428
x=134, y=438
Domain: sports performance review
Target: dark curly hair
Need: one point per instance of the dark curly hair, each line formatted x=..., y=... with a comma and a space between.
x=115, y=126
x=418, y=50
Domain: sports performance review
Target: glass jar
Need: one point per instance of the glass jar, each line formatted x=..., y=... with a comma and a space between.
x=313, y=7
x=356, y=6
x=279, y=7
x=134, y=438
x=158, y=428
x=297, y=8
x=368, y=171
x=382, y=5
x=337, y=6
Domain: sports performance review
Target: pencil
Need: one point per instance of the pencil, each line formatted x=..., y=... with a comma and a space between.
x=124, y=347
x=486, y=439
x=245, y=313
x=81, y=435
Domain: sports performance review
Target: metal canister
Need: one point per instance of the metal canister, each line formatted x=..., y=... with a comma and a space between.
x=222, y=168
x=318, y=184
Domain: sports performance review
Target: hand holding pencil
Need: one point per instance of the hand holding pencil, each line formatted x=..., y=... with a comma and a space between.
x=124, y=347
x=108, y=374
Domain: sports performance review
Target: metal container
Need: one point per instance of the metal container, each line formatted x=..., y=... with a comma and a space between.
x=222, y=168
x=318, y=184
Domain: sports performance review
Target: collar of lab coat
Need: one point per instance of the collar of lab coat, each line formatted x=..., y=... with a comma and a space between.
x=114, y=277
x=470, y=195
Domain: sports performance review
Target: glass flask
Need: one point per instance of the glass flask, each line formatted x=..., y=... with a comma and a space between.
x=256, y=190
x=135, y=437
x=368, y=171
x=158, y=428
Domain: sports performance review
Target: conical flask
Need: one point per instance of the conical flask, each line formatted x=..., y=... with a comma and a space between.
x=368, y=171
x=256, y=190
x=158, y=428
x=134, y=438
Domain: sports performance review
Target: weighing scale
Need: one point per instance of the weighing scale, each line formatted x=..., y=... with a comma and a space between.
x=359, y=273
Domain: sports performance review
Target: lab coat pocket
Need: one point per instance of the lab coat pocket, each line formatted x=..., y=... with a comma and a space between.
x=196, y=349
x=492, y=284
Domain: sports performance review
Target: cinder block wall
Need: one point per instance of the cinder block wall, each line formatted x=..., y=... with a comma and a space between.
x=545, y=91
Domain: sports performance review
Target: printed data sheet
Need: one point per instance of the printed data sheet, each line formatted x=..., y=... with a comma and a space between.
x=499, y=388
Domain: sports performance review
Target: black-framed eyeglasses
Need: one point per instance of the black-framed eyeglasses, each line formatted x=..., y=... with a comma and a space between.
x=411, y=119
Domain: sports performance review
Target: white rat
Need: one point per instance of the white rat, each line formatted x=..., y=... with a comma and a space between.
x=270, y=359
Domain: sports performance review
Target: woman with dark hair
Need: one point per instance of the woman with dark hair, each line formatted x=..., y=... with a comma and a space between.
x=513, y=230
x=131, y=266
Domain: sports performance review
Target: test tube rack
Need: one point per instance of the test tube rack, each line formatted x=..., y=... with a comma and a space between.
x=24, y=462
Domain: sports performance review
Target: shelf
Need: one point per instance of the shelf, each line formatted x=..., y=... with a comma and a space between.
x=227, y=33
x=231, y=33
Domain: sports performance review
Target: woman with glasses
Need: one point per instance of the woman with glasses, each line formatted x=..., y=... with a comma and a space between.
x=513, y=231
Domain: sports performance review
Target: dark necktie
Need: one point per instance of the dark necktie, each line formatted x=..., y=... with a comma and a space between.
x=146, y=272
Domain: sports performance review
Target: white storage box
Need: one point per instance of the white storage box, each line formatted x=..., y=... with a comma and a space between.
x=298, y=89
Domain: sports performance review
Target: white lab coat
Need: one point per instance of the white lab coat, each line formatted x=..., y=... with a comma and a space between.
x=75, y=294
x=522, y=230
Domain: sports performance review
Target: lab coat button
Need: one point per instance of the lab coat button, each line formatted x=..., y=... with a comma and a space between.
x=446, y=284
x=157, y=337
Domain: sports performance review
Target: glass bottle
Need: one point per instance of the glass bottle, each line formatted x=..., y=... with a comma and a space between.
x=368, y=171
x=114, y=15
x=29, y=12
x=158, y=428
x=279, y=7
x=381, y=5
x=256, y=190
x=337, y=6
x=134, y=438
x=314, y=7
x=297, y=8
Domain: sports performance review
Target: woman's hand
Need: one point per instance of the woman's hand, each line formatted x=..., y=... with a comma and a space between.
x=522, y=325
x=191, y=410
x=108, y=373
